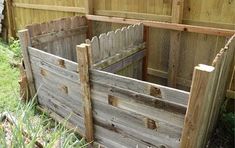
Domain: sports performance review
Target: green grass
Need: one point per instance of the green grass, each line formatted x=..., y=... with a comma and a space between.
x=9, y=88
x=39, y=129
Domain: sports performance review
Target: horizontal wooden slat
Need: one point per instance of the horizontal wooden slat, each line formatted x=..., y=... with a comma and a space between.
x=114, y=68
x=52, y=36
x=127, y=94
x=49, y=7
x=163, y=74
x=209, y=24
x=47, y=101
x=119, y=57
x=132, y=125
x=126, y=14
x=112, y=139
x=53, y=59
x=164, y=25
x=143, y=88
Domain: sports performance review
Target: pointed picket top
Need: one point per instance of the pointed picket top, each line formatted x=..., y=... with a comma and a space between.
x=118, y=40
x=136, y=34
x=141, y=35
x=111, y=43
x=124, y=38
x=103, y=40
x=95, y=49
x=132, y=32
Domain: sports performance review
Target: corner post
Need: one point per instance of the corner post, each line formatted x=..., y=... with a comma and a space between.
x=199, y=106
x=83, y=68
x=25, y=43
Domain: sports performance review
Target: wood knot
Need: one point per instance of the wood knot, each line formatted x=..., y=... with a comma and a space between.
x=156, y=92
x=112, y=101
x=65, y=89
x=185, y=29
x=43, y=72
x=61, y=63
x=150, y=124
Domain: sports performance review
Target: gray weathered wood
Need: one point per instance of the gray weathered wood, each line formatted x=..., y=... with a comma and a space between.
x=53, y=59
x=96, y=49
x=122, y=63
x=132, y=122
x=138, y=97
x=103, y=40
x=83, y=60
x=141, y=87
x=52, y=36
x=118, y=57
x=25, y=43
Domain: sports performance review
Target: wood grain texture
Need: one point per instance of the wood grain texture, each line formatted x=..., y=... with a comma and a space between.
x=83, y=59
x=25, y=43
x=197, y=106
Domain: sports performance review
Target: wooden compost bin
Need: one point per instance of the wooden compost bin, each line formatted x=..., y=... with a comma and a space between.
x=79, y=80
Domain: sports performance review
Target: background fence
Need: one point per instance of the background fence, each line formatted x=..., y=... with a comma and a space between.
x=191, y=48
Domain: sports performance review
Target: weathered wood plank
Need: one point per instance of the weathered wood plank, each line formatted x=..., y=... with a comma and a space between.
x=103, y=40
x=95, y=49
x=126, y=94
x=83, y=60
x=110, y=138
x=141, y=87
x=53, y=59
x=46, y=100
x=173, y=63
x=52, y=36
x=68, y=91
x=25, y=43
x=121, y=115
x=164, y=25
x=111, y=43
x=118, y=57
x=124, y=62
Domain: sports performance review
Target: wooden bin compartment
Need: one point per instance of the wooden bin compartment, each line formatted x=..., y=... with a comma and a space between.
x=96, y=84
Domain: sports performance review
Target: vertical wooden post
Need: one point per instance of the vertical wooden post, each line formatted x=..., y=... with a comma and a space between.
x=177, y=14
x=198, y=106
x=10, y=19
x=83, y=68
x=25, y=43
x=89, y=9
x=145, y=59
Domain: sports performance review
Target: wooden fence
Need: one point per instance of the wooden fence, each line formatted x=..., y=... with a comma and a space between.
x=172, y=55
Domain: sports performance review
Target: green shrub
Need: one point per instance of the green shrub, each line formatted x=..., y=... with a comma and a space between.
x=14, y=46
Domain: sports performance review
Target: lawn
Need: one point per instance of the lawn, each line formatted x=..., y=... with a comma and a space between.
x=9, y=75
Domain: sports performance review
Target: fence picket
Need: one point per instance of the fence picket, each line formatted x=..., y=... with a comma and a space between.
x=103, y=45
